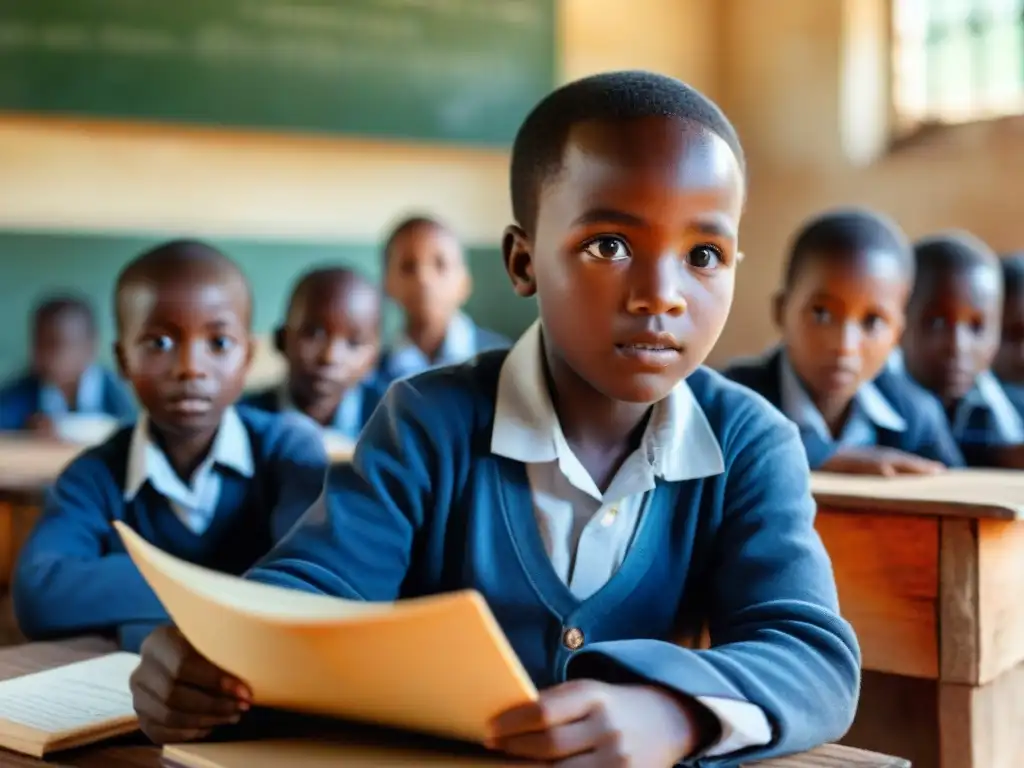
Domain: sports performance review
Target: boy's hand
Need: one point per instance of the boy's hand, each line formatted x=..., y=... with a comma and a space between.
x=875, y=460
x=42, y=425
x=180, y=696
x=588, y=723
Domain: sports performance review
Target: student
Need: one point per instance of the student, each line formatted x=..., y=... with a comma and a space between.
x=331, y=340
x=600, y=488
x=1009, y=362
x=953, y=327
x=64, y=380
x=841, y=313
x=425, y=274
x=203, y=480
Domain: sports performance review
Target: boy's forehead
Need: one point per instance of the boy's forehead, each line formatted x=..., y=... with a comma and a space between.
x=665, y=153
x=337, y=294
x=977, y=282
x=185, y=298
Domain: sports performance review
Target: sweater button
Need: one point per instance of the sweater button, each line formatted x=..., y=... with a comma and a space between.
x=573, y=639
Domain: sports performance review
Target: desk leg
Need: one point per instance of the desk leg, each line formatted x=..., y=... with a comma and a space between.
x=981, y=726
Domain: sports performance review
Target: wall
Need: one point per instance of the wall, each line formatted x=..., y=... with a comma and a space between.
x=801, y=82
x=110, y=178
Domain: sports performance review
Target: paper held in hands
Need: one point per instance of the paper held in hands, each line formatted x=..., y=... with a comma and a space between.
x=440, y=665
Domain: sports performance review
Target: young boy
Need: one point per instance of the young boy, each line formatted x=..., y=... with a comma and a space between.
x=331, y=339
x=425, y=274
x=953, y=327
x=213, y=484
x=1009, y=362
x=64, y=381
x=601, y=490
x=841, y=313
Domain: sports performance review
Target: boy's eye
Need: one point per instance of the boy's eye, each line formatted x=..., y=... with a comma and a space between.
x=608, y=249
x=704, y=257
x=874, y=322
x=821, y=315
x=160, y=343
x=222, y=343
x=937, y=323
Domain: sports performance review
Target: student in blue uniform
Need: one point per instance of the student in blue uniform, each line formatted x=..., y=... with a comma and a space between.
x=841, y=312
x=953, y=328
x=212, y=484
x=1009, y=363
x=331, y=340
x=425, y=274
x=600, y=488
x=64, y=378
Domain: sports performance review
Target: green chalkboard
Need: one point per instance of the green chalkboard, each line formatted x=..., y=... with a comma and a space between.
x=463, y=71
x=33, y=265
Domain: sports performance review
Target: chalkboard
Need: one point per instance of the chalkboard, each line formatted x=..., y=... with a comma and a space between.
x=463, y=71
x=35, y=264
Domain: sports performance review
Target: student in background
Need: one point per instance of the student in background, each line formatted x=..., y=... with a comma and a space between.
x=525, y=474
x=841, y=312
x=210, y=483
x=331, y=340
x=1009, y=362
x=953, y=328
x=64, y=381
x=425, y=274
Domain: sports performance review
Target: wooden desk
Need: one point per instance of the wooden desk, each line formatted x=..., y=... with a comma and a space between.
x=132, y=752
x=932, y=579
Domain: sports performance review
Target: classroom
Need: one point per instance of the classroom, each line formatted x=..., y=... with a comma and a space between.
x=564, y=382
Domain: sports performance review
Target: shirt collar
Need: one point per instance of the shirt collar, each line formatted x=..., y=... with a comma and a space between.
x=681, y=443
x=89, y=395
x=988, y=393
x=869, y=402
x=459, y=344
x=348, y=416
x=146, y=461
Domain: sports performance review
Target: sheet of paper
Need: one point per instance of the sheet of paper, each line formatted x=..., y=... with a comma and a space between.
x=439, y=664
x=74, y=697
x=966, y=487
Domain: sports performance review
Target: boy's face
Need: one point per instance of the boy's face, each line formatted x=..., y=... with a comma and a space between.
x=634, y=253
x=63, y=346
x=185, y=347
x=331, y=339
x=1009, y=362
x=841, y=319
x=953, y=329
x=426, y=274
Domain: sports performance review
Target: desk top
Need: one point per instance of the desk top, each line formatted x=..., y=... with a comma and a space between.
x=969, y=493
x=132, y=752
x=28, y=463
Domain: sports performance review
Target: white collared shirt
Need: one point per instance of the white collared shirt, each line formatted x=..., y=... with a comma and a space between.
x=347, y=422
x=587, y=533
x=89, y=397
x=195, y=502
x=459, y=345
x=871, y=411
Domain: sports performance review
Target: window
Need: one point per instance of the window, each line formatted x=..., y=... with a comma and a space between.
x=957, y=61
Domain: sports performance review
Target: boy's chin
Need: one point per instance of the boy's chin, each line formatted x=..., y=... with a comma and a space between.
x=185, y=424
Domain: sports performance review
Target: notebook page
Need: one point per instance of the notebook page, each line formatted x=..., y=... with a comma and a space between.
x=73, y=697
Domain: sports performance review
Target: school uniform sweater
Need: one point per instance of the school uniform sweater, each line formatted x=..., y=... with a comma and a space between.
x=427, y=507
x=99, y=392
x=890, y=411
x=73, y=575
x=354, y=410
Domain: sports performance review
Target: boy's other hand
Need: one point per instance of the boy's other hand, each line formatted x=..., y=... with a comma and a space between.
x=588, y=723
x=876, y=460
x=180, y=696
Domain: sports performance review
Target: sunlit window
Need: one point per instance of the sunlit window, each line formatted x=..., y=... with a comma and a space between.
x=957, y=61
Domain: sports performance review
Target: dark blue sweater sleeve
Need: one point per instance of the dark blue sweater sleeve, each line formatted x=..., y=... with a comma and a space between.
x=301, y=460
x=396, y=474
x=777, y=638
x=66, y=582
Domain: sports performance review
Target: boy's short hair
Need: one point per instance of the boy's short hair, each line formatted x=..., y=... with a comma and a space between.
x=540, y=142
x=847, y=230
x=407, y=224
x=325, y=272
x=1013, y=271
x=162, y=258
x=52, y=306
x=952, y=252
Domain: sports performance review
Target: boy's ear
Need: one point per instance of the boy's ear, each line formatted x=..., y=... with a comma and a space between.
x=279, y=340
x=778, y=307
x=122, y=369
x=517, y=250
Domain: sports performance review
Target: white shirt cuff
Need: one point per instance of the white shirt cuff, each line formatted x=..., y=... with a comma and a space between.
x=744, y=725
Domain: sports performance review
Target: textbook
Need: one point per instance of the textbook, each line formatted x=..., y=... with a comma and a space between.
x=439, y=665
x=68, y=706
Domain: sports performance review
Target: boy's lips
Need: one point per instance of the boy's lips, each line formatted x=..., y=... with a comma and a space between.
x=651, y=349
x=190, y=405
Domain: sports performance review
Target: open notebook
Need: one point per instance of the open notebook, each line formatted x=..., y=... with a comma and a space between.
x=68, y=706
x=440, y=665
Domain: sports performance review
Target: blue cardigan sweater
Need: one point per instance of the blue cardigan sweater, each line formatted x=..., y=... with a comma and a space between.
x=20, y=400
x=927, y=433
x=425, y=508
x=73, y=575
